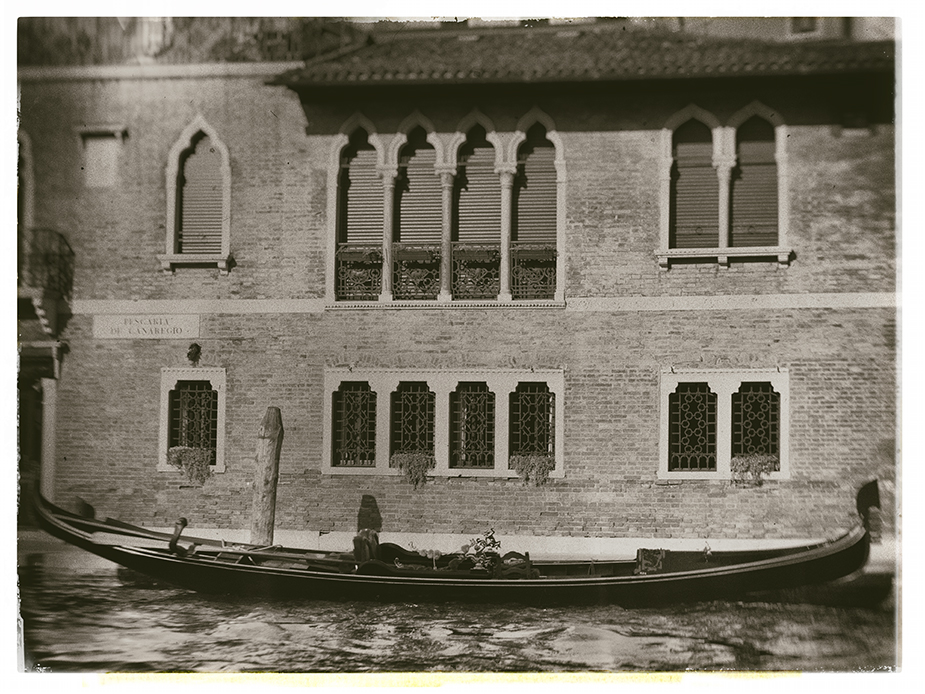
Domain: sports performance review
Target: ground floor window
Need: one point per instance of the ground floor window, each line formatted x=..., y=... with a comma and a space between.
x=373, y=415
x=193, y=413
x=709, y=418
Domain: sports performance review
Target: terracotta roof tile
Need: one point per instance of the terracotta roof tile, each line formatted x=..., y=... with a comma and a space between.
x=592, y=54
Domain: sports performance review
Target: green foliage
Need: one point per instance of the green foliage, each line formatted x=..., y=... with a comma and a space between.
x=414, y=465
x=195, y=462
x=753, y=467
x=533, y=468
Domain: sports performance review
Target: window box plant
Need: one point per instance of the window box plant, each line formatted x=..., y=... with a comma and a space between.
x=534, y=467
x=196, y=463
x=414, y=465
x=751, y=468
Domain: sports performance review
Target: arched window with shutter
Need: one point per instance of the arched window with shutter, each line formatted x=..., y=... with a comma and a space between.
x=534, y=224
x=418, y=220
x=753, y=217
x=358, y=268
x=694, y=203
x=476, y=219
x=198, y=200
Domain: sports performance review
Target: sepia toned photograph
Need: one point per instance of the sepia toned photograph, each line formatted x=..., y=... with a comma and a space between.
x=449, y=345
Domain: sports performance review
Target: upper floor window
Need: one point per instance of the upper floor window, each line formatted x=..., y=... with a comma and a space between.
x=724, y=188
x=804, y=25
x=694, y=188
x=198, y=200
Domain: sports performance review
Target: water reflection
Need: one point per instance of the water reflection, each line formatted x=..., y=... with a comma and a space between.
x=93, y=621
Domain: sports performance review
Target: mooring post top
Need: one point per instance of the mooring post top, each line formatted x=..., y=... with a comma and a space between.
x=272, y=423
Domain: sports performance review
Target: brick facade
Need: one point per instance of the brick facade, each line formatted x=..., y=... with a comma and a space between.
x=828, y=317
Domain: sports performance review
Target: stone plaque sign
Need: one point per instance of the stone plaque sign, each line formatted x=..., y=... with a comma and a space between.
x=146, y=327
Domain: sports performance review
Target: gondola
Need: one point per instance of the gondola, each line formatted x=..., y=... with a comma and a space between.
x=388, y=572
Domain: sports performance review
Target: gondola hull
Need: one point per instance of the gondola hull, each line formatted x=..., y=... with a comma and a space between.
x=303, y=574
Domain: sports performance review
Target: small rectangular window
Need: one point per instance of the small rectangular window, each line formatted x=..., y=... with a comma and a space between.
x=804, y=25
x=101, y=158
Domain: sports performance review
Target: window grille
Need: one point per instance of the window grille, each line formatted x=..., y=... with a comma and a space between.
x=412, y=422
x=694, y=205
x=692, y=428
x=753, y=210
x=354, y=426
x=200, y=198
x=756, y=420
x=193, y=418
x=472, y=426
x=532, y=420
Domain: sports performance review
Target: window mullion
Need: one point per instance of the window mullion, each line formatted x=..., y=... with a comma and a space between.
x=507, y=193
x=724, y=388
x=441, y=390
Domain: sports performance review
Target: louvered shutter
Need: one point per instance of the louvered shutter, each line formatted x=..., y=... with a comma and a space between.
x=201, y=201
x=753, y=219
x=479, y=203
x=361, y=203
x=419, y=208
x=535, y=196
x=695, y=197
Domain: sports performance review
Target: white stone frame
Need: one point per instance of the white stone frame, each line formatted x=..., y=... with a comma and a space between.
x=384, y=382
x=169, y=378
x=724, y=159
x=171, y=258
x=446, y=147
x=723, y=382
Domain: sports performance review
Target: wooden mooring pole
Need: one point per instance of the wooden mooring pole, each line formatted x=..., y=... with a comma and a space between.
x=266, y=475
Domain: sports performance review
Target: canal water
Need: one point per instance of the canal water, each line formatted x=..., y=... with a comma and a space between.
x=91, y=619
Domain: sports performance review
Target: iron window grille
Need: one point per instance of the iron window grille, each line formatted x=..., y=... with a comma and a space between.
x=193, y=416
x=756, y=420
x=692, y=428
x=412, y=423
x=472, y=426
x=354, y=426
x=532, y=420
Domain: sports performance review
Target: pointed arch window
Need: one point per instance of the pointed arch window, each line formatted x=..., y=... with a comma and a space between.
x=198, y=201
x=418, y=221
x=753, y=217
x=358, y=270
x=476, y=220
x=534, y=222
x=694, y=212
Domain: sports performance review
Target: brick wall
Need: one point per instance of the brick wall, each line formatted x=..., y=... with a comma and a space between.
x=841, y=361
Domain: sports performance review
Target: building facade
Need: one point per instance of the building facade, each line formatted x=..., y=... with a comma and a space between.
x=631, y=260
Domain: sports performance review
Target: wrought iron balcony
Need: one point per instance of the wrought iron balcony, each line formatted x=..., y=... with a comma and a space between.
x=358, y=272
x=415, y=272
x=476, y=271
x=47, y=264
x=533, y=271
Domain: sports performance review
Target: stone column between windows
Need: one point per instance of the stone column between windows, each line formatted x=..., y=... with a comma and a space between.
x=724, y=160
x=502, y=387
x=388, y=202
x=383, y=388
x=441, y=389
x=507, y=192
x=724, y=388
x=446, y=240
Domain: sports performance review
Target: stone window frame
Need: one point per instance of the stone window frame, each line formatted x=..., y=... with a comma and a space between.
x=170, y=376
x=501, y=382
x=447, y=146
x=171, y=258
x=724, y=160
x=724, y=383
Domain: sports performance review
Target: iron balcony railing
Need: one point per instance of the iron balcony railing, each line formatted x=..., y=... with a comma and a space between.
x=358, y=272
x=533, y=270
x=47, y=263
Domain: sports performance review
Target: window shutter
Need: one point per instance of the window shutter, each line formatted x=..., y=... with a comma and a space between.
x=419, y=218
x=201, y=200
x=753, y=216
x=695, y=197
x=361, y=202
x=479, y=204
x=535, y=195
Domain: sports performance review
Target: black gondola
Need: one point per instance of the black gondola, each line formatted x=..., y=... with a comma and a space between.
x=392, y=573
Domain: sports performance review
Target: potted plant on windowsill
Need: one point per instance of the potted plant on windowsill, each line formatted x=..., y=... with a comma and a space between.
x=750, y=469
x=196, y=463
x=533, y=467
x=414, y=465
